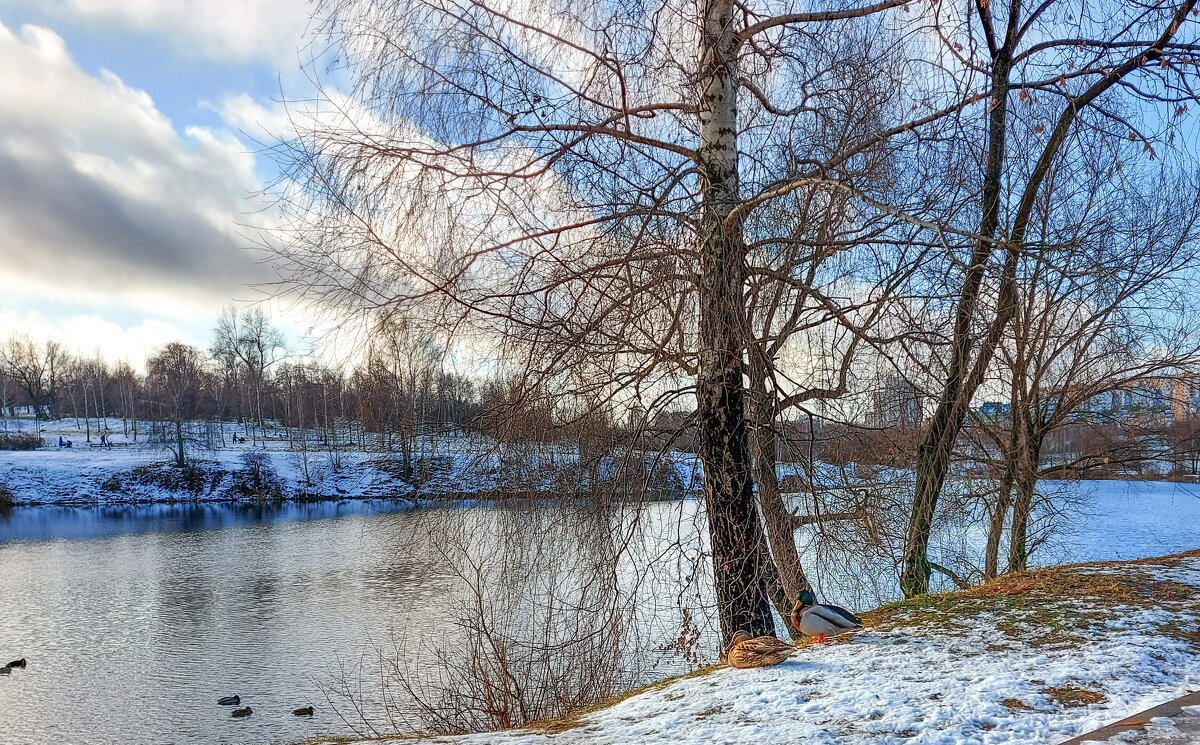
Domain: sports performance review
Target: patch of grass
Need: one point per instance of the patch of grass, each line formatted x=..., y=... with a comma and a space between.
x=575, y=718
x=1015, y=705
x=1036, y=606
x=1070, y=697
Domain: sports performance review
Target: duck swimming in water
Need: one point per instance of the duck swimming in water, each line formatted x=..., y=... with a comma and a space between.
x=243, y=712
x=229, y=701
x=17, y=663
x=818, y=620
x=307, y=711
x=760, y=651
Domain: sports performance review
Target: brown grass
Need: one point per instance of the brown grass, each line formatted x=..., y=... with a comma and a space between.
x=1070, y=697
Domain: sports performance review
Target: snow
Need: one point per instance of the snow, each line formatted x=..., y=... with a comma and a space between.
x=1128, y=520
x=911, y=682
x=78, y=475
x=448, y=465
x=978, y=679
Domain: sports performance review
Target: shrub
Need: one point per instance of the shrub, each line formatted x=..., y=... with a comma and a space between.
x=20, y=442
x=257, y=478
x=191, y=478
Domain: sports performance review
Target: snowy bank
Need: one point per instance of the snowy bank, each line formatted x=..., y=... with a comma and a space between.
x=135, y=475
x=1033, y=658
x=124, y=468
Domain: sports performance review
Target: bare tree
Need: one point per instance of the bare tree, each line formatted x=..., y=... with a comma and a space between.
x=177, y=373
x=36, y=369
x=1082, y=69
x=573, y=187
x=246, y=346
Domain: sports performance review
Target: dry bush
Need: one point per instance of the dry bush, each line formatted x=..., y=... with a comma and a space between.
x=549, y=617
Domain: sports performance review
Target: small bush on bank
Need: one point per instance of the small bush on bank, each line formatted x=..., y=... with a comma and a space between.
x=257, y=479
x=192, y=478
x=20, y=442
x=6, y=498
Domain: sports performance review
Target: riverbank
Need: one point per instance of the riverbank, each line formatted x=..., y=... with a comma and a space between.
x=141, y=475
x=1037, y=657
x=124, y=469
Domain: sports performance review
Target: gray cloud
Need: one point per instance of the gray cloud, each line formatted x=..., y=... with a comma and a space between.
x=99, y=193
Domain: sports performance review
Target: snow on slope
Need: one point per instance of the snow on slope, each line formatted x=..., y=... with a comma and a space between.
x=998, y=669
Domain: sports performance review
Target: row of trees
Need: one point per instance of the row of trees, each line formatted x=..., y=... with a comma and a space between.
x=748, y=209
x=247, y=376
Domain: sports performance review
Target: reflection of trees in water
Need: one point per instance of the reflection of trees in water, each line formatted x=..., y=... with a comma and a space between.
x=555, y=606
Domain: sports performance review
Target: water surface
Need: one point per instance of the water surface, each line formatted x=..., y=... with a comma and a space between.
x=133, y=633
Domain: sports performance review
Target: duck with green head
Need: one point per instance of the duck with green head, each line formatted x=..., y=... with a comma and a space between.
x=819, y=620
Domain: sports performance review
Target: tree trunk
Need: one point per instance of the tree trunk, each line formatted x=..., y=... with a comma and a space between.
x=180, y=458
x=933, y=453
x=1026, y=483
x=991, y=558
x=739, y=550
x=788, y=578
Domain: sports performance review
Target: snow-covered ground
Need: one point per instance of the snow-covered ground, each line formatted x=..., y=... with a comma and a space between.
x=92, y=473
x=1035, y=663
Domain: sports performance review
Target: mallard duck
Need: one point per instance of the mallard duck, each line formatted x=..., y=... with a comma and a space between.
x=760, y=651
x=17, y=663
x=243, y=712
x=229, y=701
x=307, y=711
x=818, y=620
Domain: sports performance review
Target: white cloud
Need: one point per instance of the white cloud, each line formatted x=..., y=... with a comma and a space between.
x=87, y=334
x=102, y=197
x=232, y=30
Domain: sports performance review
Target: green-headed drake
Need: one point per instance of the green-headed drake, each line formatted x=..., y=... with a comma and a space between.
x=819, y=620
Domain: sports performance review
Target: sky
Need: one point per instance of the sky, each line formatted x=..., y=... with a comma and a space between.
x=129, y=173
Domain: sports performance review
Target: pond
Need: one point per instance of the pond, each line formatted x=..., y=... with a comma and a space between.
x=133, y=633
x=136, y=619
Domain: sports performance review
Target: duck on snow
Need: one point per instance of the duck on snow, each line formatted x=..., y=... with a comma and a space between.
x=819, y=620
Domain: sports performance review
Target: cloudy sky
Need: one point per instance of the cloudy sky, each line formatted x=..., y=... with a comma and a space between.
x=128, y=167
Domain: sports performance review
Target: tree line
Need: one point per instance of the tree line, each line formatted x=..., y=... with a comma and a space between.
x=246, y=375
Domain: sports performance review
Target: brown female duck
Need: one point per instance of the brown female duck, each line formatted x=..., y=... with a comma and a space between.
x=760, y=651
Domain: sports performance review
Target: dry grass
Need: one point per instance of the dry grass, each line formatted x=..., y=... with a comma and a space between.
x=1070, y=697
x=574, y=719
x=1015, y=704
x=1050, y=605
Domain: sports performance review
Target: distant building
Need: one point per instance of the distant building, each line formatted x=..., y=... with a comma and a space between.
x=995, y=410
x=897, y=403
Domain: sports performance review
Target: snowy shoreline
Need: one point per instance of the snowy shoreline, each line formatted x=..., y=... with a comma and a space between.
x=123, y=470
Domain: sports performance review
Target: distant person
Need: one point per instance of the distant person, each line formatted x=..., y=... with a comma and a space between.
x=60, y=441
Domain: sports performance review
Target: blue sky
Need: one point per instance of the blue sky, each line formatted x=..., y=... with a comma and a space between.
x=126, y=181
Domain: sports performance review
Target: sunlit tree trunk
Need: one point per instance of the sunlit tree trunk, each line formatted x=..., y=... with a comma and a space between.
x=739, y=547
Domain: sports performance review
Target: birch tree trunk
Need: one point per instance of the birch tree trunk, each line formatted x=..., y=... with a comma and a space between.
x=739, y=549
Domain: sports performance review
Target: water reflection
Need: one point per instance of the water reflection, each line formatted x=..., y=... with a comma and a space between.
x=132, y=635
x=50, y=522
x=135, y=619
